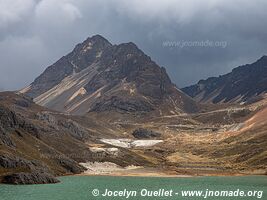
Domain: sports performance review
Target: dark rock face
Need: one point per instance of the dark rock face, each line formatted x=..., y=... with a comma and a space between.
x=22, y=103
x=76, y=130
x=127, y=62
x=120, y=105
x=145, y=134
x=29, y=178
x=14, y=162
x=33, y=172
x=5, y=138
x=245, y=81
x=8, y=119
x=71, y=166
x=70, y=126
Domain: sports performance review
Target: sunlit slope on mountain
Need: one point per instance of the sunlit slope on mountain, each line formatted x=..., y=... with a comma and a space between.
x=249, y=145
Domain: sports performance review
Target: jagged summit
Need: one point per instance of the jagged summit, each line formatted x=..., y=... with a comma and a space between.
x=98, y=76
x=97, y=37
x=96, y=41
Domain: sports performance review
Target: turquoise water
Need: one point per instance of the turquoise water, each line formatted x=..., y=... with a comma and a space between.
x=81, y=187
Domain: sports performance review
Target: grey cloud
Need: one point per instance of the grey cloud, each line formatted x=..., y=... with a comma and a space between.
x=38, y=33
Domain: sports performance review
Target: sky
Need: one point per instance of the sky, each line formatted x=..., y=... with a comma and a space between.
x=192, y=39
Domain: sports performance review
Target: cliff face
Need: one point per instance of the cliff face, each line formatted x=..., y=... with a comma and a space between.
x=98, y=76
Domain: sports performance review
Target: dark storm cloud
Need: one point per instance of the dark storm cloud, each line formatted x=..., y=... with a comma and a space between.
x=34, y=34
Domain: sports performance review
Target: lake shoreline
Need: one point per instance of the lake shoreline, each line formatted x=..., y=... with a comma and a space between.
x=111, y=169
x=169, y=174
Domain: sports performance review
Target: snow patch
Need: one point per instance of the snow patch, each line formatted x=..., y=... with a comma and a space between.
x=87, y=47
x=105, y=167
x=108, y=151
x=99, y=54
x=129, y=143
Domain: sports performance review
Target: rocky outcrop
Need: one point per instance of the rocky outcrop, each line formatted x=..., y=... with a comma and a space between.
x=75, y=129
x=10, y=121
x=122, y=105
x=8, y=118
x=5, y=138
x=32, y=172
x=7, y=161
x=145, y=134
x=23, y=103
x=68, y=125
x=29, y=178
x=71, y=166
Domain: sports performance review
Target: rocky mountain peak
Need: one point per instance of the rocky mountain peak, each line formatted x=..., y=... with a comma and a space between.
x=122, y=55
x=94, y=43
x=100, y=76
x=97, y=37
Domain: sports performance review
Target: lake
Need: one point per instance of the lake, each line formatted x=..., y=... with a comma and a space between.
x=140, y=188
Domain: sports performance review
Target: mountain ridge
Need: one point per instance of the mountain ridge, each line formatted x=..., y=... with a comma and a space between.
x=243, y=84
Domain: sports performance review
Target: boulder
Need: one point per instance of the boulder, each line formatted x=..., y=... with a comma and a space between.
x=142, y=133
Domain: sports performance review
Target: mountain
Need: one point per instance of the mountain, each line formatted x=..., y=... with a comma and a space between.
x=98, y=77
x=244, y=84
